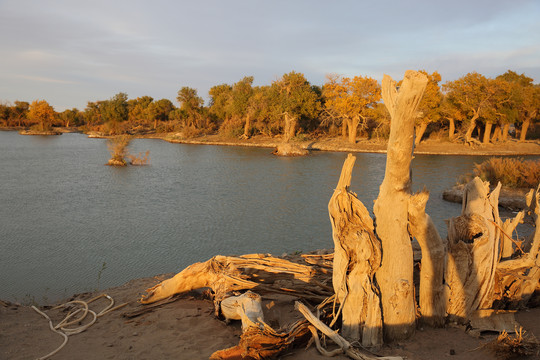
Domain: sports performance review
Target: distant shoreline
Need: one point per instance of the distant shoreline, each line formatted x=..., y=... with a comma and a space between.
x=335, y=144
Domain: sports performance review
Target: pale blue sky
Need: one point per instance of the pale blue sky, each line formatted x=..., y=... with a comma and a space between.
x=69, y=52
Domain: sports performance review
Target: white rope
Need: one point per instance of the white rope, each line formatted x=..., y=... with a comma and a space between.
x=62, y=327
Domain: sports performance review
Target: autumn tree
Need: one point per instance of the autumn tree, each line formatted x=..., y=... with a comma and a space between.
x=160, y=110
x=43, y=113
x=293, y=97
x=5, y=113
x=353, y=99
x=469, y=96
x=525, y=100
x=429, y=108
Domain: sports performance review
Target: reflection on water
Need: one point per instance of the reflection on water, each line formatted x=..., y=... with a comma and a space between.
x=64, y=214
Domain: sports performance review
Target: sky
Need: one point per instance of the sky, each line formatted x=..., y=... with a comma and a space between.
x=70, y=52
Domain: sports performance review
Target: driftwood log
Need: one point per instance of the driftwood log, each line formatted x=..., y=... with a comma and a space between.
x=261, y=273
x=264, y=274
x=344, y=346
x=245, y=307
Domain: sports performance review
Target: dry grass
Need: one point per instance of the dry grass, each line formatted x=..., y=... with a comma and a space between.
x=519, y=346
x=511, y=172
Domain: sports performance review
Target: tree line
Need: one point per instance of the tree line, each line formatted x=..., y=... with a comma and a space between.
x=472, y=108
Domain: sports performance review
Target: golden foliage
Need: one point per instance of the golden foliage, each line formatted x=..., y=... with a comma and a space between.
x=42, y=112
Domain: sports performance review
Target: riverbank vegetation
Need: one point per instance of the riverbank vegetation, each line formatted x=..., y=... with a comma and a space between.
x=510, y=172
x=473, y=109
x=118, y=148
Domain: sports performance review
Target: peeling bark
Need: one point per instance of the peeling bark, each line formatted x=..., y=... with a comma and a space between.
x=473, y=244
x=357, y=255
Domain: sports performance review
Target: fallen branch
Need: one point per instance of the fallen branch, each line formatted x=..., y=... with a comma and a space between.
x=267, y=274
x=346, y=347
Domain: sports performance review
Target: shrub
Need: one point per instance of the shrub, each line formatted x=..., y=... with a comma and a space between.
x=190, y=132
x=511, y=172
x=141, y=159
x=118, y=149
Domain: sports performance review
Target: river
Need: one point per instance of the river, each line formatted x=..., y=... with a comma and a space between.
x=70, y=224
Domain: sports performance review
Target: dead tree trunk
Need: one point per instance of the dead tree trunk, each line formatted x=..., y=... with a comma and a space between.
x=518, y=278
x=432, y=299
x=473, y=243
x=395, y=276
x=357, y=255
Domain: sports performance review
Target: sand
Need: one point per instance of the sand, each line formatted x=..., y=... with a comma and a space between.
x=188, y=329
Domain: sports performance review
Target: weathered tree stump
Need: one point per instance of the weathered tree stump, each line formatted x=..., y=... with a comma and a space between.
x=473, y=244
x=395, y=276
x=357, y=255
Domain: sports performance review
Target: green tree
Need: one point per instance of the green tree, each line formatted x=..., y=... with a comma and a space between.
x=71, y=117
x=160, y=110
x=114, y=112
x=92, y=114
x=242, y=93
x=191, y=105
x=293, y=97
x=220, y=101
x=138, y=110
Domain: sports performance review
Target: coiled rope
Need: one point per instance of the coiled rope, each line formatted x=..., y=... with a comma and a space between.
x=63, y=329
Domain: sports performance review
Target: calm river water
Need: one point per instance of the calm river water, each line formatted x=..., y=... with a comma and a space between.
x=70, y=224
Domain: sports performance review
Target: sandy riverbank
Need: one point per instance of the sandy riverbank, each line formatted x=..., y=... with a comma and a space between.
x=338, y=144
x=371, y=146
x=187, y=329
